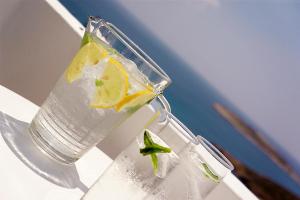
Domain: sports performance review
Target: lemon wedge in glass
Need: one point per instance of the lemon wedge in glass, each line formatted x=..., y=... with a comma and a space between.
x=136, y=100
x=112, y=86
x=89, y=54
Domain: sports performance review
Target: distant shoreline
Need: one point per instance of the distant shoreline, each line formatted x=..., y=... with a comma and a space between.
x=252, y=135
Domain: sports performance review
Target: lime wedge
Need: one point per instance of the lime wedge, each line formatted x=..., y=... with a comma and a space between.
x=87, y=38
x=209, y=173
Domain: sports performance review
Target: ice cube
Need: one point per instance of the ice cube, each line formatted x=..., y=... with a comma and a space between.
x=163, y=161
x=137, y=79
x=128, y=64
x=94, y=71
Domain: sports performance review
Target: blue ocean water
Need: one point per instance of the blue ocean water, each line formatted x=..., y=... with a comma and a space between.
x=190, y=96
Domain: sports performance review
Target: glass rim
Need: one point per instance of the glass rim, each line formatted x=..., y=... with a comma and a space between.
x=215, y=152
x=188, y=134
x=134, y=48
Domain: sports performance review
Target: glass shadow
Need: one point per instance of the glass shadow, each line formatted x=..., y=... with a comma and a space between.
x=14, y=133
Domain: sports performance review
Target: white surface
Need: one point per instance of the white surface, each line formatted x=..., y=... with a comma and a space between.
x=46, y=179
x=248, y=49
x=237, y=190
x=18, y=181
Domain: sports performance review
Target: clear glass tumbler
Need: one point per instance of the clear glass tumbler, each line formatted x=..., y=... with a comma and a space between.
x=109, y=79
x=201, y=168
x=144, y=164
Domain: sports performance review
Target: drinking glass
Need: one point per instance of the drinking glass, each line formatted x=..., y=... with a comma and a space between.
x=134, y=173
x=107, y=81
x=201, y=168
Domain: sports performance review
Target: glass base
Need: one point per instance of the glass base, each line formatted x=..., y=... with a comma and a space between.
x=47, y=148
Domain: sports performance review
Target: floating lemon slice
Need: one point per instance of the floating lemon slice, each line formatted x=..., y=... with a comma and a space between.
x=136, y=100
x=89, y=54
x=112, y=86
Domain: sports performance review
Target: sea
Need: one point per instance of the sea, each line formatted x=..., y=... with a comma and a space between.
x=191, y=97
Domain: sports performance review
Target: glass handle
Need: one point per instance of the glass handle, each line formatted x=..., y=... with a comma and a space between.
x=161, y=107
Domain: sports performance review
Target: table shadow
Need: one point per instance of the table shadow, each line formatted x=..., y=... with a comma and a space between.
x=15, y=134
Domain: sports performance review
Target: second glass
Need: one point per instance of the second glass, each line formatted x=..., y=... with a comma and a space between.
x=109, y=79
x=201, y=168
x=144, y=163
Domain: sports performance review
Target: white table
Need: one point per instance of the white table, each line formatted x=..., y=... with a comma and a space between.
x=25, y=173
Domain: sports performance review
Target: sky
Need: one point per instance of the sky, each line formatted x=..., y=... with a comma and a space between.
x=248, y=50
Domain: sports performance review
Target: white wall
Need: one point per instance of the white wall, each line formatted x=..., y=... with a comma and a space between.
x=248, y=50
x=35, y=47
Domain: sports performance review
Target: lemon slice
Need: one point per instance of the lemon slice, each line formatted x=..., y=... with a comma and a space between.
x=112, y=86
x=89, y=54
x=136, y=100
